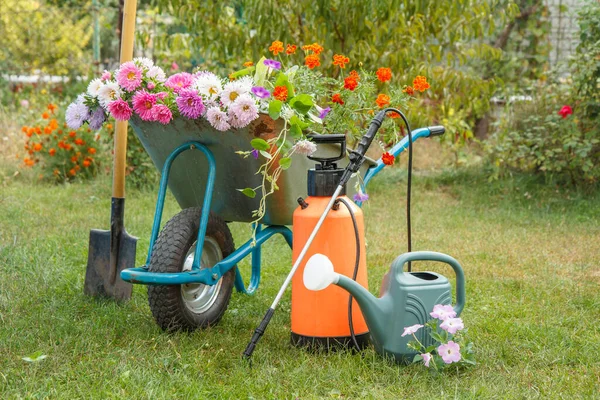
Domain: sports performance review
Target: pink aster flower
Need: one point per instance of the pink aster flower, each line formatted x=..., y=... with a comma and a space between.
x=244, y=108
x=162, y=95
x=120, y=110
x=190, y=103
x=106, y=76
x=179, y=81
x=426, y=359
x=452, y=325
x=443, y=312
x=304, y=147
x=129, y=76
x=217, y=118
x=409, y=330
x=162, y=114
x=450, y=352
x=151, y=85
x=143, y=104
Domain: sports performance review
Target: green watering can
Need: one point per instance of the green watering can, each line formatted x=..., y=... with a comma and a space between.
x=406, y=299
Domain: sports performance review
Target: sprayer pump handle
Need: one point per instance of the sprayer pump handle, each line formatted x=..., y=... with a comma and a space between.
x=329, y=139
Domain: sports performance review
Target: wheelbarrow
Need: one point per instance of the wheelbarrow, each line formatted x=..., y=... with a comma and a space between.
x=191, y=268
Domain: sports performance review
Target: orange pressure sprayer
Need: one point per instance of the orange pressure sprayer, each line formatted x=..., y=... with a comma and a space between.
x=322, y=318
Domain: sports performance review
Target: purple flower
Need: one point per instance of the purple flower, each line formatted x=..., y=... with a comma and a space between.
x=255, y=154
x=450, y=352
x=97, y=119
x=324, y=112
x=426, y=359
x=190, y=103
x=452, y=325
x=409, y=330
x=260, y=92
x=443, y=312
x=272, y=64
x=360, y=196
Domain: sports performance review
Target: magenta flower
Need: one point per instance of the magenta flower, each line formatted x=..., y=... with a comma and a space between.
x=163, y=114
x=190, y=103
x=452, y=325
x=129, y=76
x=260, y=92
x=272, y=64
x=179, y=81
x=450, y=352
x=143, y=104
x=324, y=112
x=120, y=110
x=426, y=359
x=162, y=95
x=443, y=312
x=565, y=111
x=360, y=196
x=409, y=330
x=151, y=85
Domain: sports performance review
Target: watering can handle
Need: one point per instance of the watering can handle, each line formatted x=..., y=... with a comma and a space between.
x=398, y=266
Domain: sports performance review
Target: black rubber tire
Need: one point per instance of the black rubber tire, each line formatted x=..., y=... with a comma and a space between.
x=168, y=255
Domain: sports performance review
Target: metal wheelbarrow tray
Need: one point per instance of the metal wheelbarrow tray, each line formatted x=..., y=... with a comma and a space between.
x=191, y=266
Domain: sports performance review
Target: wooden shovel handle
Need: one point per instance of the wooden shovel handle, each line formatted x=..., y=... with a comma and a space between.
x=127, y=36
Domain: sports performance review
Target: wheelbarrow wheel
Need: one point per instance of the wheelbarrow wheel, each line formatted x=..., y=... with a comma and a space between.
x=191, y=306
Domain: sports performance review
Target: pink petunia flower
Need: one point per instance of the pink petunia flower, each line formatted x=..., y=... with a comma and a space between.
x=409, y=330
x=129, y=76
x=443, y=312
x=120, y=110
x=162, y=114
x=426, y=359
x=143, y=104
x=450, y=352
x=452, y=325
x=565, y=111
x=179, y=81
x=190, y=103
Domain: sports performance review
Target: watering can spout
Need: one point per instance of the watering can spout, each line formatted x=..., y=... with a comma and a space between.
x=319, y=274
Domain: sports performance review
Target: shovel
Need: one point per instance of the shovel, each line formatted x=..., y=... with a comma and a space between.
x=112, y=251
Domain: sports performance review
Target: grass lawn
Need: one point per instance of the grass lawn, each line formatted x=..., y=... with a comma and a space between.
x=531, y=255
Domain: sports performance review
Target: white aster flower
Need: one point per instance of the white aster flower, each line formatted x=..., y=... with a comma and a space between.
x=305, y=147
x=233, y=90
x=94, y=87
x=208, y=85
x=286, y=112
x=217, y=118
x=109, y=92
x=156, y=73
x=245, y=109
x=143, y=62
x=234, y=121
x=77, y=113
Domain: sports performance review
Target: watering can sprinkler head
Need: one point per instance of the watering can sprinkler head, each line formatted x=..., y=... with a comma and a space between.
x=319, y=273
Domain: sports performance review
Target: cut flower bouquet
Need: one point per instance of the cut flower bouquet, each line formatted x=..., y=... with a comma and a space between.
x=288, y=86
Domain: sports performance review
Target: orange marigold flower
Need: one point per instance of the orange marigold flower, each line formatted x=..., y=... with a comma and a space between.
x=47, y=130
x=52, y=107
x=86, y=163
x=37, y=147
x=315, y=48
x=387, y=158
x=384, y=74
x=52, y=151
x=37, y=130
x=276, y=47
x=409, y=90
x=341, y=60
x=56, y=172
x=248, y=64
x=420, y=83
x=312, y=61
x=28, y=161
x=337, y=98
x=72, y=172
x=74, y=159
x=92, y=150
x=29, y=132
x=350, y=83
x=109, y=126
x=280, y=93
x=79, y=142
x=45, y=115
x=393, y=114
x=53, y=124
x=290, y=49
x=24, y=129
x=67, y=146
x=382, y=100
x=77, y=167
x=72, y=134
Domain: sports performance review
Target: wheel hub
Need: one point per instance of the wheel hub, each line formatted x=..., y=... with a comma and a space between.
x=197, y=297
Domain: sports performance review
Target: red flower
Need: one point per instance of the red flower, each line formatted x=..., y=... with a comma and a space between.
x=384, y=74
x=280, y=93
x=387, y=158
x=341, y=60
x=290, y=49
x=336, y=98
x=350, y=83
x=409, y=90
x=382, y=100
x=565, y=111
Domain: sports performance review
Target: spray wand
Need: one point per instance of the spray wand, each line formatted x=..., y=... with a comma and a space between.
x=356, y=159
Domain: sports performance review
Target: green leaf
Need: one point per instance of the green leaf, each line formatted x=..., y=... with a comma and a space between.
x=295, y=131
x=417, y=358
x=275, y=108
x=266, y=155
x=242, y=72
x=261, y=72
x=248, y=192
x=285, y=162
x=259, y=144
x=35, y=357
x=302, y=103
x=297, y=121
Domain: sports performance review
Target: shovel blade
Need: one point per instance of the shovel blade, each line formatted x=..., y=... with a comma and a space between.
x=100, y=281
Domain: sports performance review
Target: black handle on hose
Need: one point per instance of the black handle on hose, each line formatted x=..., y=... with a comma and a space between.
x=258, y=334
